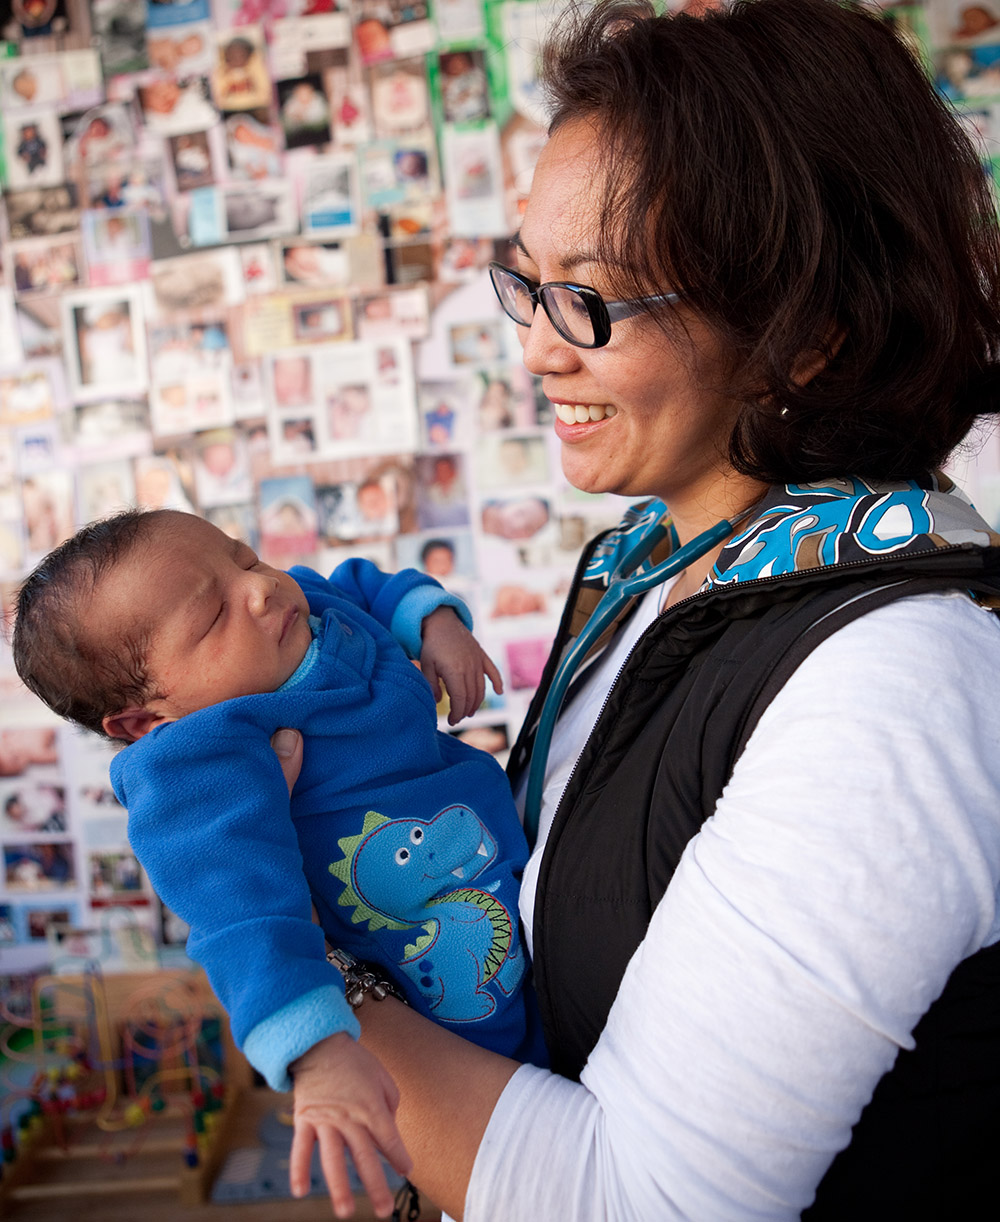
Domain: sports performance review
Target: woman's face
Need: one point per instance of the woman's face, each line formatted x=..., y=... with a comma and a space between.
x=661, y=427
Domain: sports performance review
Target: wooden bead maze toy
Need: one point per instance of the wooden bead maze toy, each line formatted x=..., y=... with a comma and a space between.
x=118, y=1084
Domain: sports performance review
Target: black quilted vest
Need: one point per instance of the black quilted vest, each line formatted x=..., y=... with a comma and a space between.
x=651, y=773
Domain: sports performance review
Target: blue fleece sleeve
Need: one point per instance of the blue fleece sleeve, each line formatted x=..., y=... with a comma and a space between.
x=413, y=609
x=284, y=1036
x=209, y=819
x=399, y=601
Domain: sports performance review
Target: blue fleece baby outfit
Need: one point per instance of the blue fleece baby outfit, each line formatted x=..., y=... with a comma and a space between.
x=404, y=838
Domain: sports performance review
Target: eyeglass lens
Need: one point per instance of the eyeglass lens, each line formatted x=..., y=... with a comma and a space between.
x=565, y=307
x=514, y=296
x=569, y=314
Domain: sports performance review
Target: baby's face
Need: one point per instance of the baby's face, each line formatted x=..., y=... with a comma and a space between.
x=373, y=501
x=237, y=54
x=439, y=562
x=110, y=319
x=291, y=379
x=26, y=85
x=219, y=458
x=219, y=622
x=161, y=96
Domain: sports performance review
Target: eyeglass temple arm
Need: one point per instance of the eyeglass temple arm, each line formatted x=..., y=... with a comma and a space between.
x=619, y=310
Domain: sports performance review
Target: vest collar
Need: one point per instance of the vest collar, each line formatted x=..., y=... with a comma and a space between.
x=798, y=527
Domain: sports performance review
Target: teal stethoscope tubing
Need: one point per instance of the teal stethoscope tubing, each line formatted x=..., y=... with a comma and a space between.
x=621, y=588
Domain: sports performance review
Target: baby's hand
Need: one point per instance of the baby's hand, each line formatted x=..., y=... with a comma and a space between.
x=451, y=653
x=343, y=1096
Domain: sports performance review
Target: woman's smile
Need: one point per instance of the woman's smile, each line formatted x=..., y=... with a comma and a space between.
x=571, y=414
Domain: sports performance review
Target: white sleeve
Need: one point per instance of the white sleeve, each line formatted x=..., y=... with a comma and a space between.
x=852, y=861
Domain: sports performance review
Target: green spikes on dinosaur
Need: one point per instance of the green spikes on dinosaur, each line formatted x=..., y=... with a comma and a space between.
x=498, y=917
x=349, y=845
x=414, y=950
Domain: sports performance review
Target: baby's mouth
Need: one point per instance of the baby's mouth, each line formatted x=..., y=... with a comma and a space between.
x=291, y=615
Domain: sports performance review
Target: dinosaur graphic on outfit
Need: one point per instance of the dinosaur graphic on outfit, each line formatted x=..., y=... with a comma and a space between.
x=400, y=874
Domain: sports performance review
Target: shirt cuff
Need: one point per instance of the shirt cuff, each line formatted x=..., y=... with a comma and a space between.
x=289, y=1032
x=414, y=607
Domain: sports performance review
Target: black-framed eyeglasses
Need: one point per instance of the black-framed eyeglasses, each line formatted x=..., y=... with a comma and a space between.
x=579, y=313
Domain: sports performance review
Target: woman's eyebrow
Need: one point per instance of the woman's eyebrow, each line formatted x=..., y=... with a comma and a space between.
x=573, y=259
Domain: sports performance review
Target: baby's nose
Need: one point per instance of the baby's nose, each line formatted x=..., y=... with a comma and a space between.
x=261, y=589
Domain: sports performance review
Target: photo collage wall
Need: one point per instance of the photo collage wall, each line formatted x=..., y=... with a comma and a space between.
x=243, y=254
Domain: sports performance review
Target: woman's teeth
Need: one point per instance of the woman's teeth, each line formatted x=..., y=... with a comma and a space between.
x=582, y=413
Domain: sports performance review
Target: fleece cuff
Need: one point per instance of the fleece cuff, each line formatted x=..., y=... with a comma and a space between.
x=289, y=1032
x=414, y=607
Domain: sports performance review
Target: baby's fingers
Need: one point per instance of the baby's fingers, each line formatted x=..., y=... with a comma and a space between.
x=370, y=1171
x=493, y=674
x=332, y=1160
x=300, y=1160
x=458, y=697
x=388, y=1137
x=430, y=673
x=478, y=692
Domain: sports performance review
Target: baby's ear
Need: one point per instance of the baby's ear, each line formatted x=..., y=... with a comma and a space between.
x=131, y=724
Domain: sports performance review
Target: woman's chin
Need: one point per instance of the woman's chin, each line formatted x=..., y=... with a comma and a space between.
x=587, y=477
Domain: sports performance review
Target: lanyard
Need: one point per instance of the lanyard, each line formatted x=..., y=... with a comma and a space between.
x=623, y=585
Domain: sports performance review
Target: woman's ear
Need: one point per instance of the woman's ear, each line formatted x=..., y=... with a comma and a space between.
x=132, y=724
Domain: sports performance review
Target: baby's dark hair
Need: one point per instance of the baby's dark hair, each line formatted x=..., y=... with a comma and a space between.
x=432, y=545
x=241, y=48
x=59, y=656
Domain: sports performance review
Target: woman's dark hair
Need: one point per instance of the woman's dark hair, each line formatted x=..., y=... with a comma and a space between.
x=73, y=668
x=787, y=166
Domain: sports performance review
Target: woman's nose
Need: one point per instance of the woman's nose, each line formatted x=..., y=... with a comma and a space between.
x=545, y=350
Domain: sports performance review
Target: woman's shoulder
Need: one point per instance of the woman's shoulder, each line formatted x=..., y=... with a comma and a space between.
x=926, y=665
x=945, y=636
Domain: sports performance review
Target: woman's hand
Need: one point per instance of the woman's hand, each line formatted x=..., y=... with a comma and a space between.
x=287, y=746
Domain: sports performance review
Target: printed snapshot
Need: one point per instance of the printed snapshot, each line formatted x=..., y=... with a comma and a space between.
x=105, y=337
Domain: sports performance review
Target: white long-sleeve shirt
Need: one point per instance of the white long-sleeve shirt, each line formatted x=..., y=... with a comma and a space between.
x=852, y=861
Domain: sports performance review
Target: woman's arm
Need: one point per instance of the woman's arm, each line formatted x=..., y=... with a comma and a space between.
x=448, y=1090
x=851, y=863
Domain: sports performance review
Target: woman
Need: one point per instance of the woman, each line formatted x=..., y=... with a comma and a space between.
x=777, y=841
